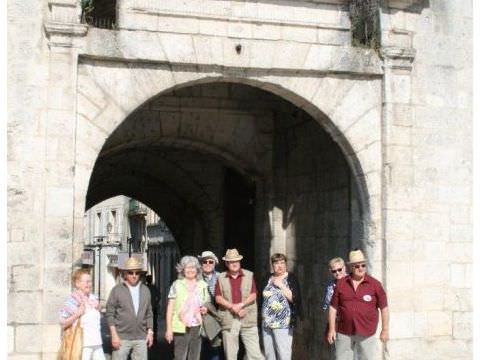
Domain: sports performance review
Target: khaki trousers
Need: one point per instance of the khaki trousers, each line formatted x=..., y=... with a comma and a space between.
x=249, y=337
x=137, y=349
x=365, y=347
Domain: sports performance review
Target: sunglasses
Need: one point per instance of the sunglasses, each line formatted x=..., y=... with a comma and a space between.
x=360, y=266
x=208, y=262
x=336, y=270
x=133, y=272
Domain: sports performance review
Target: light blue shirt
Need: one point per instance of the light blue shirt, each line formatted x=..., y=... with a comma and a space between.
x=135, y=293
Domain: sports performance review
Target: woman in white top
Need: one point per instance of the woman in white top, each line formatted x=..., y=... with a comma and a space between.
x=84, y=305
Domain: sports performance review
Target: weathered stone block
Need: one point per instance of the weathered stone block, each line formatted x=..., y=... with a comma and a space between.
x=439, y=323
x=16, y=235
x=398, y=301
x=55, y=298
x=178, y=48
x=20, y=356
x=51, y=338
x=428, y=298
x=405, y=349
x=463, y=325
x=10, y=339
x=24, y=307
x=59, y=201
x=446, y=348
x=207, y=48
x=299, y=34
x=434, y=229
x=399, y=225
x=461, y=275
x=400, y=274
x=57, y=277
x=283, y=54
x=239, y=30
x=60, y=98
x=26, y=277
x=402, y=325
x=460, y=233
x=28, y=338
x=266, y=31
x=458, y=299
x=24, y=253
x=333, y=37
x=430, y=273
x=261, y=54
x=461, y=252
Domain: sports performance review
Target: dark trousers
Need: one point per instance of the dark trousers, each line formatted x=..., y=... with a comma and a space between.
x=210, y=352
x=188, y=345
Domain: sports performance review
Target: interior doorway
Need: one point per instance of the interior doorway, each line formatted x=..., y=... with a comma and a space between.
x=239, y=204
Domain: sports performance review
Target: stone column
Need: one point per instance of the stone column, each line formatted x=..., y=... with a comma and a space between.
x=398, y=204
x=62, y=246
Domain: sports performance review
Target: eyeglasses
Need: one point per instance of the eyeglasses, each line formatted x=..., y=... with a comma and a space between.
x=133, y=272
x=336, y=270
x=208, y=262
x=358, y=266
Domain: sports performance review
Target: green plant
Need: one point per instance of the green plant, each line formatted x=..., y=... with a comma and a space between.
x=365, y=22
x=87, y=9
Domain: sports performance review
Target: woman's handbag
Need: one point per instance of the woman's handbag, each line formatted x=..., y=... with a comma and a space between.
x=72, y=342
x=211, y=326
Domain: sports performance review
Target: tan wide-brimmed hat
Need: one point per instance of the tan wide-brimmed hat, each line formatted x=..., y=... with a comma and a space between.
x=232, y=255
x=133, y=263
x=356, y=256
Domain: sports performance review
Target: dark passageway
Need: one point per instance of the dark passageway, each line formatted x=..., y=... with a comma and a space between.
x=229, y=165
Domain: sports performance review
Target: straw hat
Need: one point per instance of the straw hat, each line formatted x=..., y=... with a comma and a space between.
x=133, y=263
x=208, y=255
x=232, y=255
x=356, y=256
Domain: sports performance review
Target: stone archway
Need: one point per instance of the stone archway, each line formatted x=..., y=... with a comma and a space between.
x=290, y=149
x=348, y=108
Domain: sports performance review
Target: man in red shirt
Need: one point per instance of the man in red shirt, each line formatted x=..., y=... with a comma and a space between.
x=236, y=295
x=356, y=300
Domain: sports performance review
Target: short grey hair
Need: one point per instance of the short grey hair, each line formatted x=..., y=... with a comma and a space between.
x=188, y=261
x=336, y=260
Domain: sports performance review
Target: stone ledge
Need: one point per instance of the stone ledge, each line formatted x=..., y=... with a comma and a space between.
x=72, y=29
x=72, y=3
x=237, y=19
x=136, y=46
x=405, y=4
x=398, y=57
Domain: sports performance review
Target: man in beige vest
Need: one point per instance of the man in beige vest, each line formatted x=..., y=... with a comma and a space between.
x=236, y=295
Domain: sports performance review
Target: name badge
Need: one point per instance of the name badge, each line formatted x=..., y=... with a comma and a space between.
x=367, y=298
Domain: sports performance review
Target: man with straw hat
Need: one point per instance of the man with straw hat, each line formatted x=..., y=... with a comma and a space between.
x=236, y=295
x=129, y=314
x=357, y=299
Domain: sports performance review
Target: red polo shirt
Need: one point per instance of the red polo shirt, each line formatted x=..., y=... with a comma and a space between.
x=236, y=286
x=357, y=311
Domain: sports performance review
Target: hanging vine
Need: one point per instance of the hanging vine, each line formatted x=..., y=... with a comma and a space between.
x=87, y=11
x=365, y=20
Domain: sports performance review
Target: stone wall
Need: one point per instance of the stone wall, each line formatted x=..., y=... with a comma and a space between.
x=30, y=331
x=428, y=158
x=402, y=122
x=313, y=189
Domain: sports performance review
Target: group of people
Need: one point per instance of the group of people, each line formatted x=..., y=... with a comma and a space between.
x=209, y=312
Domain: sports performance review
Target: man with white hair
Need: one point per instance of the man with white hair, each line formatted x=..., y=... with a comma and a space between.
x=357, y=299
